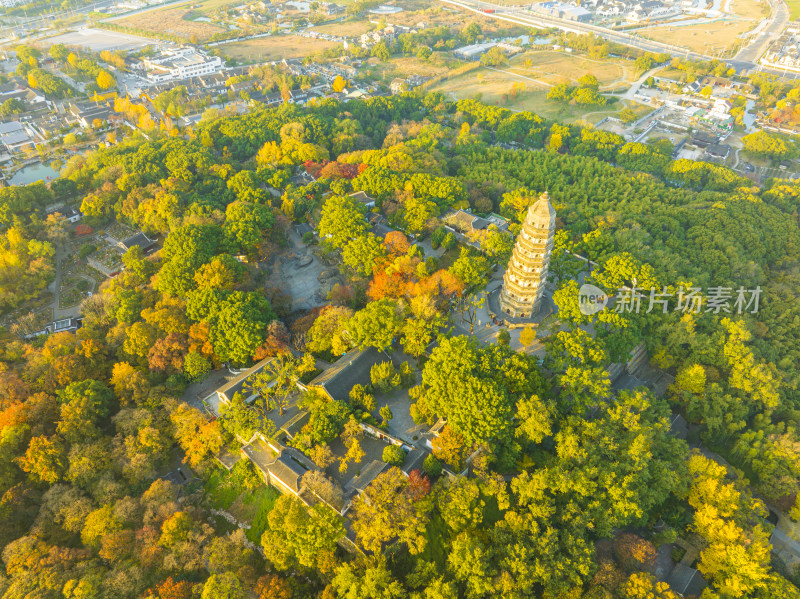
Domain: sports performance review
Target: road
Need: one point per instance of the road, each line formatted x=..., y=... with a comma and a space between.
x=628, y=95
x=774, y=27
x=746, y=59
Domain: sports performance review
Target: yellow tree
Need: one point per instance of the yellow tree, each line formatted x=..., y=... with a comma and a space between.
x=736, y=557
x=527, y=336
x=339, y=84
x=105, y=80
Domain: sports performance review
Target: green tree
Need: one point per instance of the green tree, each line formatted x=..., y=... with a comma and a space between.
x=476, y=388
x=376, y=325
x=384, y=376
x=361, y=253
x=223, y=586
x=737, y=552
x=83, y=405
x=494, y=57
x=246, y=224
x=299, y=536
x=196, y=366
x=394, y=455
x=278, y=379
x=470, y=269
x=11, y=106
x=341, y=221
x=527, y=336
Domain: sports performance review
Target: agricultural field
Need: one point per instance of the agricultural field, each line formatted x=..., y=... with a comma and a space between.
x=275, y=48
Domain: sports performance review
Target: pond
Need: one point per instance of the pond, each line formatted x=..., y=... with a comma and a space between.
x=33, y=172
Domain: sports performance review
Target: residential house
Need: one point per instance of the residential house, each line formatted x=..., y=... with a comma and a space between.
x=88, y=114
x=693, y=87
x=703, y=140
x=241, y=86
x=180, y=63
x=721, y=109
x=70, y=215
x=334, y=9
x=302, y=229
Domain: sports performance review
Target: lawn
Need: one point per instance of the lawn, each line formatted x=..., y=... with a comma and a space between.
x=255, y=508
x=434, y=552
x=276, y=47
x=227, y=491
x=794, y=8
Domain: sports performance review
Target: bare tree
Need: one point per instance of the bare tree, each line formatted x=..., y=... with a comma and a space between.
x=324, y=488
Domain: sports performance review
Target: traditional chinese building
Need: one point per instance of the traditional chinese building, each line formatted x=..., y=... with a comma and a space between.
x=526, y=275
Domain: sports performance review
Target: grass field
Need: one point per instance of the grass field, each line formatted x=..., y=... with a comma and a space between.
x=750, y=9
x=405, y=66
x=794, y=9
x=557, y=67
x=173, y=21
x=347, y=29
x=494, y=87
x=707, y=38
x=275, y=47
x=717, y=36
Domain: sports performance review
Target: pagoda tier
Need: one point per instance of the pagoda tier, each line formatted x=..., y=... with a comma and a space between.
x=526, y=275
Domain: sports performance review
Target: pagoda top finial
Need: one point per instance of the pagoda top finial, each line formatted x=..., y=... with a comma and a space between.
x=542, y=211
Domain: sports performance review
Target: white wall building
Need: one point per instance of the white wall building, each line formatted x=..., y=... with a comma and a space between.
x=180, y=63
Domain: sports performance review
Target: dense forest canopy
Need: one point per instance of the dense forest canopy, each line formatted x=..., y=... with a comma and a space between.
x=565, y=482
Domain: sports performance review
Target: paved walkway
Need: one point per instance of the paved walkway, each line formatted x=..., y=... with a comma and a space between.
x=59, y=313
